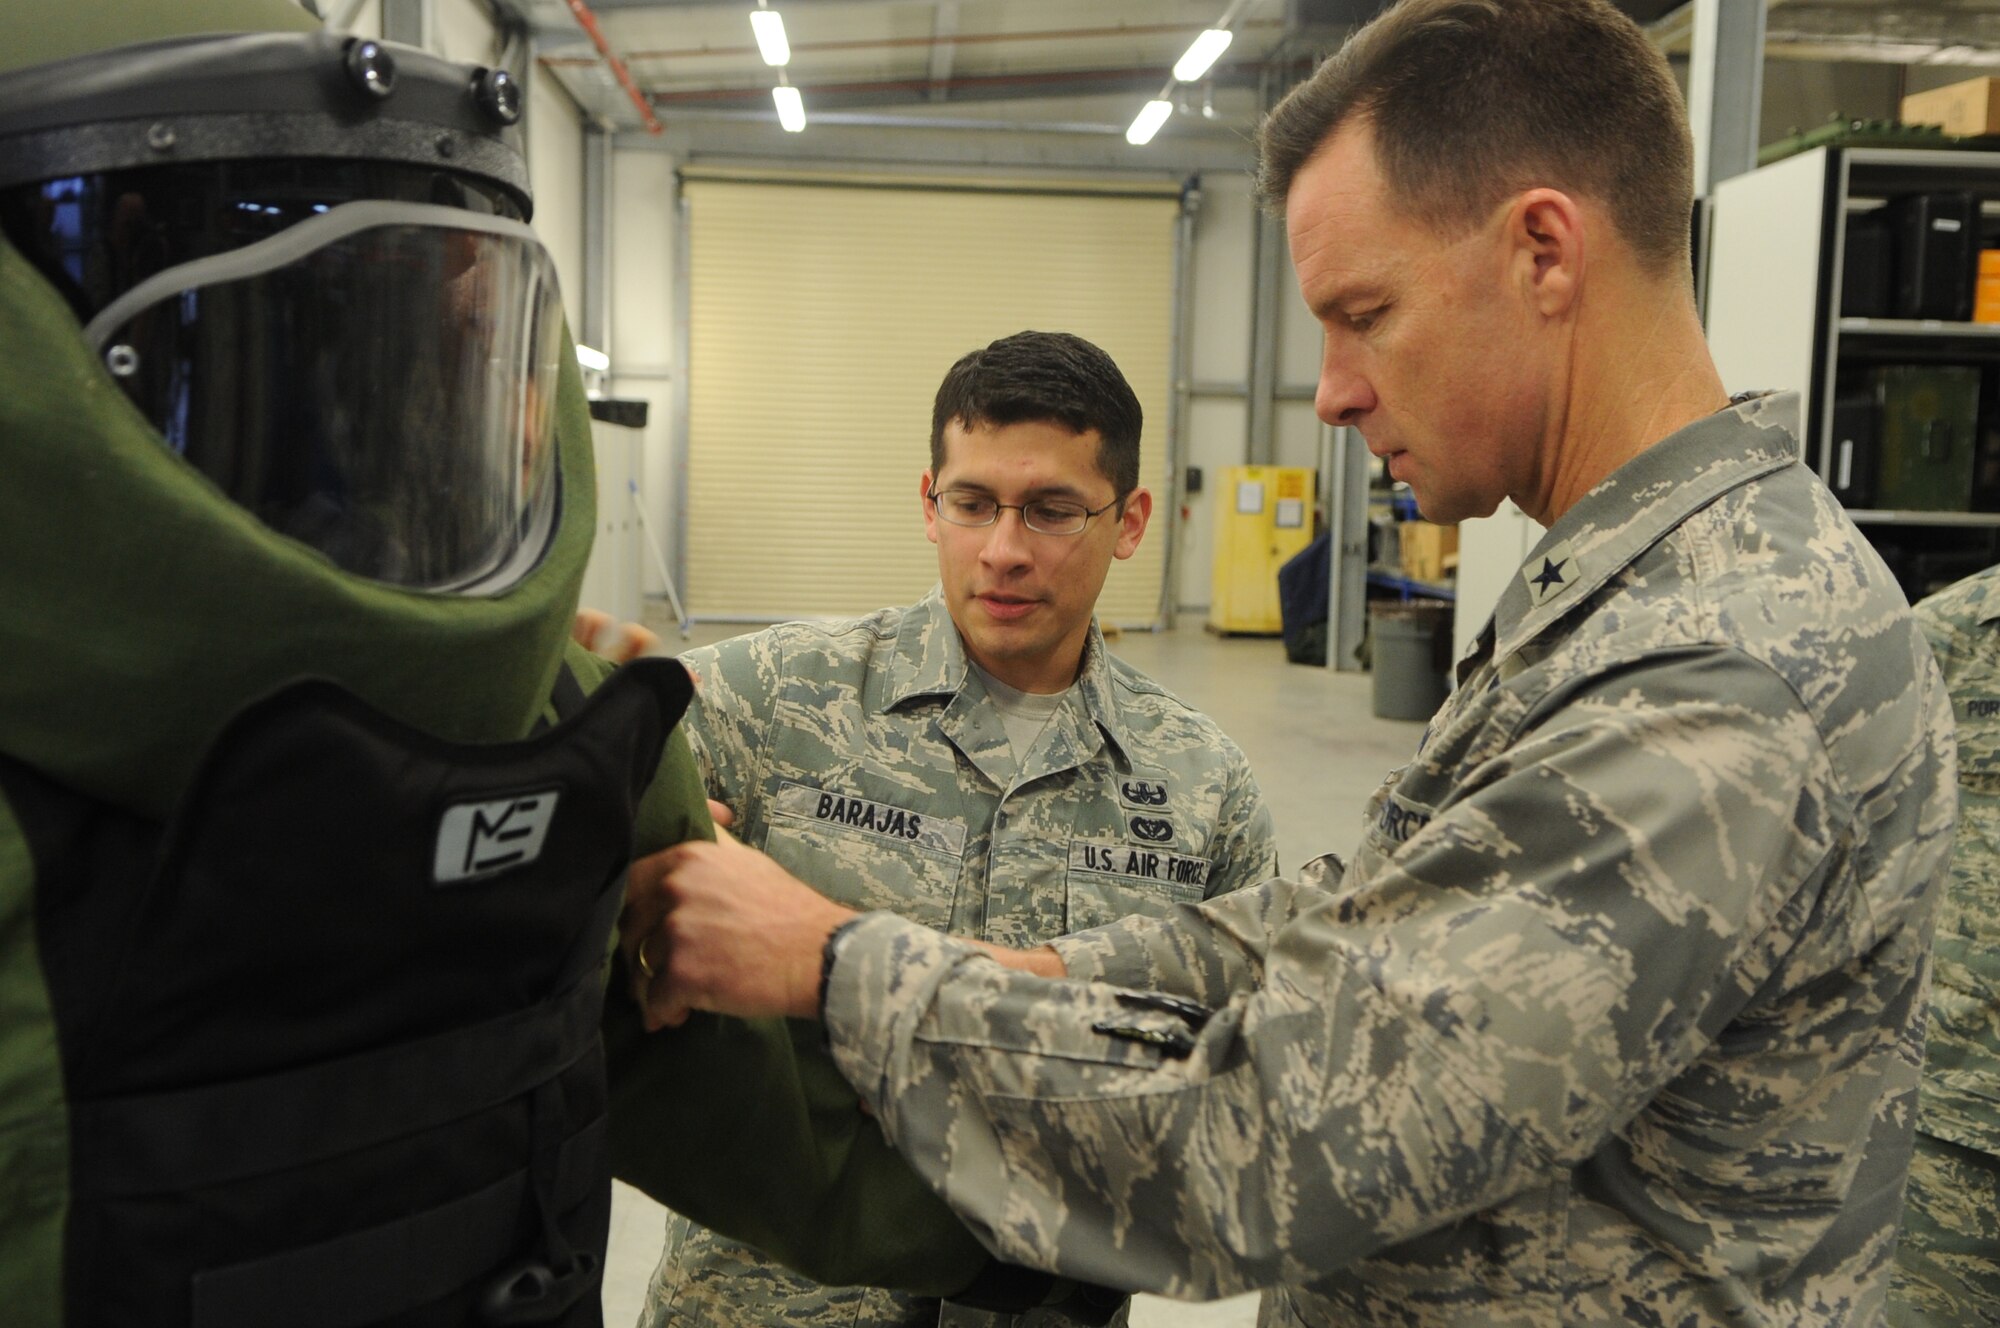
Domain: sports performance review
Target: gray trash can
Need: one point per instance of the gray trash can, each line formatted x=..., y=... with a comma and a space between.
x=1412, y=657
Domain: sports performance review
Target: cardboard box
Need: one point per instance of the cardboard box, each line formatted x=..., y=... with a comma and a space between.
x=1968, y=108
x=1986, y=295
x=1430, y=553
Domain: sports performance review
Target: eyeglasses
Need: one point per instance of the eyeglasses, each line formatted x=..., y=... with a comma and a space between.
x=1044, y=516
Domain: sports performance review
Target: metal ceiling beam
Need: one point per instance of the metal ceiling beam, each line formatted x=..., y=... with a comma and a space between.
x=1673, y=32
x=912, y=91
x=607, y=6
x=954, y=39
x=1191, y=128
x=1901, y=35
x=837, y=146
x=1797, y=30
x=587, y=20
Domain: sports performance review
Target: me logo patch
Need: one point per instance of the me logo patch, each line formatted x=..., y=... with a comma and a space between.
x=1151, y=830
x=479, y=838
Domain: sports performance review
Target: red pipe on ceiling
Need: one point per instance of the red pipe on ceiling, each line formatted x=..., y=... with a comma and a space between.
x=588, y=21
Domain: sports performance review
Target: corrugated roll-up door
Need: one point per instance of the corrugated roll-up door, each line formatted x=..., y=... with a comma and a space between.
x=823, y=316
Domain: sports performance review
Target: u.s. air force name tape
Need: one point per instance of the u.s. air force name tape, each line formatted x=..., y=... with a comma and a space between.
x=1136, y=861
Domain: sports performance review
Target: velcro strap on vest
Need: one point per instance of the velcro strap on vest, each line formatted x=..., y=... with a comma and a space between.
x=166, y=1143
x=369, y=1275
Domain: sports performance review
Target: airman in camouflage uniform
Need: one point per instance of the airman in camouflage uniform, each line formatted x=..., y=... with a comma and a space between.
x=1616, y=1016
x=868, y=757
x=1613, y=1018
x=1948, y=1258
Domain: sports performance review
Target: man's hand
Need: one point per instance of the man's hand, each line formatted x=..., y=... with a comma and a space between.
x=722, y=927
x=625, y=644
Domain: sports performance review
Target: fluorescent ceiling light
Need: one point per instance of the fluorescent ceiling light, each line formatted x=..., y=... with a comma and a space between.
x=592, y=359
x=1205, y=51
x=769, y=27
x=1147, y=123
x=791, y=108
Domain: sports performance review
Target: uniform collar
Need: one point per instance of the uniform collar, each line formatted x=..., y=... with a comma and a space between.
x=1984, y=588
x=929, y=658
x=930, y=661
x=1639, y=503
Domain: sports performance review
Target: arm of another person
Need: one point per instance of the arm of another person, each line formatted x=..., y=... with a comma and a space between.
x=728, y=1120
x=1473, y=1013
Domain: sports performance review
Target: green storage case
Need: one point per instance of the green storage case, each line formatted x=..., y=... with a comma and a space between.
x=1930, y=419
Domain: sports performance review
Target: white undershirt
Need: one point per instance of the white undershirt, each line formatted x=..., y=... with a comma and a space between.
x=1023, y=714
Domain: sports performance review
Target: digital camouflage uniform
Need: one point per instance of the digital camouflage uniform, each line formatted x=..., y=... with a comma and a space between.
x=866, y=758
x=1948, y=1260
x=1614, y=1019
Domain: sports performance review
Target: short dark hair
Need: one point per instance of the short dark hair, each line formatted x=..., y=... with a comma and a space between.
x=1471, y=101
x=1045, y=376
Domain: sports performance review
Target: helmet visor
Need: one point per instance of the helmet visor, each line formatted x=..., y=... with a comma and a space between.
x=377, y=382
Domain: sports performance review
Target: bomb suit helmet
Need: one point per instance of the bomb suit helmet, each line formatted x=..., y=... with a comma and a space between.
x=304, y=258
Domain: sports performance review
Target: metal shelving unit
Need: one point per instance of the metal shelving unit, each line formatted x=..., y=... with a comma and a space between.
x=1932, y=329
x=1774, y=292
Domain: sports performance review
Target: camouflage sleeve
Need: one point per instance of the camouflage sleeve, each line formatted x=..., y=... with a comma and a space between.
x=1470, y=1014
x=1216, y=951
x=736, y=682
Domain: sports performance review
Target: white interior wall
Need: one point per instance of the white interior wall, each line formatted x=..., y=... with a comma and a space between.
x=1295, y=428
x=1217, y=429
x=460, y=29
x=367, y=20
x=463, y=30
x=644, y=238
x=1218, y=434
x=1299, y=343
x=555, y=174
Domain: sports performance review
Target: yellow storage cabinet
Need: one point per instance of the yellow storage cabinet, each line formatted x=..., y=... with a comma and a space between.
x=1263, y=517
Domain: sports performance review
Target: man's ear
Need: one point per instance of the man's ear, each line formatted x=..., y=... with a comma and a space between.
x=1132, y=522
x=924, y=502
x=1545, y=235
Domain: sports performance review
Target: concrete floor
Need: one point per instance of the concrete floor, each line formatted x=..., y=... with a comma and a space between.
x=1318, y=751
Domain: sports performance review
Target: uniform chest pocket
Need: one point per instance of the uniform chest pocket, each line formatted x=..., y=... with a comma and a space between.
x=1979, y=745
x=1396, y=813
x=1109, y=880
x=867, y=854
